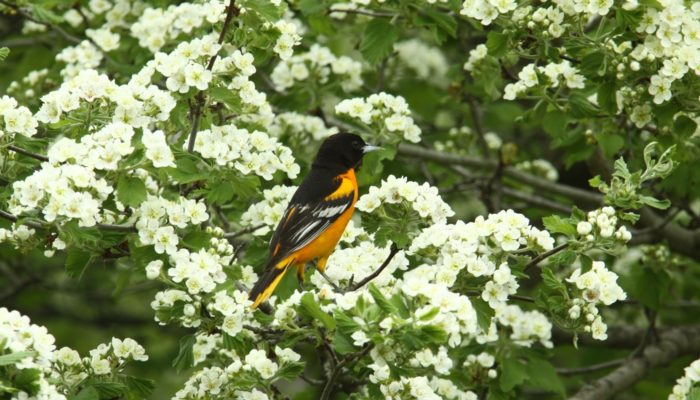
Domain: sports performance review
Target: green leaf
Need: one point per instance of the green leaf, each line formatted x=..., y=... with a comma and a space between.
x=551, y=281
x=496, y=43
x=646, y=285
x=109, y=390
x=484, y=314
x=311, y=6
x=342, y=343
x=606, y=97
x=378, y=40
x=566, y=257
x=684, y=126
x=660, y=204
x=610, y=143
x=290, y=371
x=381, y=300
x=345, y=323
x=443, y=21
x=313, y=310
x=555, y=123
x=186, y=171
x=185, y=357
x=694, y=394
x=220, y=193
x=77, y=261
x=557, y=224
x=513, y=373
x=141, y=387
x=265, y=8
x=88, y=393
x=4, y=52
x=9, y=359
x=131, y=191
x=45, y=15
x=592, y=63
x=580, y=106
x=541, y=374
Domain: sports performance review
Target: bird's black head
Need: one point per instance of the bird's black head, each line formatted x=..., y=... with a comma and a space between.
x=342, y=151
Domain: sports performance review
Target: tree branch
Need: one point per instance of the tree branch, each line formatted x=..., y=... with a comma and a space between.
x=544, y=255
x=29, y=16
x=673, y=343
x=591, y=368
x=200, y=99
x=392, y=252
x=681, y=240
x=337, y=369
x=43, y=224
x=250, y=229
x=27, y=153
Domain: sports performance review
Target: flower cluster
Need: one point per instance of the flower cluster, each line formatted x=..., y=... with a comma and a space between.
x=686, y=382
x=316, y=66
x=184, y=68
x=56, y=372
x=420, y=387
x=235, y=378
x=478, y=248
x=424, y=199
x=267, y=212
x=15, y=119
x=554, y=74
x=156, y=26
x=300, y=129
x=79, y=57
x=427, y=62
x=288, y=38
x=601, y=223
x=598, y=285
x=388, y=114
x=248, y=152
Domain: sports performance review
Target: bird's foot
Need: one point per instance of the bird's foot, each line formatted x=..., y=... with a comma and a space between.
x=330, y=282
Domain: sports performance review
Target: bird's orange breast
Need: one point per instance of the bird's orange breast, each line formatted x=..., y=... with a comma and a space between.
x=324, y=244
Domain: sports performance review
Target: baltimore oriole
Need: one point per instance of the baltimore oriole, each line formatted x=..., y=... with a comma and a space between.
x=317, y=214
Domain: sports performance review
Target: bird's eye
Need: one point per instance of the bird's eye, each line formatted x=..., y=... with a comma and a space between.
x=357, y=145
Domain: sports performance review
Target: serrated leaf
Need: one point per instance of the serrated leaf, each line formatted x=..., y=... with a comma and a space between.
x=484, y=314
x=445, y=22
x=140, y=386
x=684, y=126
x=660, y=204
x=77, y=261
x=88, y=393
x=290, y=371
x=342, y=343
x=185, y=357
x=4, y=52
x=9, y=359
x=378, y=40
x=109, y=390
x=541, y=374
x=265, y=8
x=513, y=373
x=557, y=224
x=606, y=97
x=496, y=43
x=555, y=123
x=131, y=191
x=382, y=302
x=313, y=310
x=551, y=281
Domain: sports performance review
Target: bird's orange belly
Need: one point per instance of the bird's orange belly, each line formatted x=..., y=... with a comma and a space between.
x=323, y=245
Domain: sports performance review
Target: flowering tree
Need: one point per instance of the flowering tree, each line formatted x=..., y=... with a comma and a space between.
x=529, y=230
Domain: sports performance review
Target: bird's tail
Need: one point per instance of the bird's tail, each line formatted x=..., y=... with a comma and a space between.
x=267, y=282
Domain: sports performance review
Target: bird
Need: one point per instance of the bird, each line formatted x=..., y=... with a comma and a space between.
x=316, y=215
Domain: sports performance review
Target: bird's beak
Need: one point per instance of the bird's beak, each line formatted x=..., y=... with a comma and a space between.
x=369, y=148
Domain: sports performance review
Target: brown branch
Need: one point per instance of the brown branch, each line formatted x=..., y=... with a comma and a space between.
x=337, y=369
x=250, y=229
x=53, y=27
x=392, y=252
x=200, y=99
x=544, y=255
x=681, y=240
x=591, y=368
x=360, y=12
x=674, y=343
x=27, y=153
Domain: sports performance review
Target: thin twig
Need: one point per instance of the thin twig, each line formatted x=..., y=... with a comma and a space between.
x=360, y=12
x=544, y=255
x=392, y=252
x=43, y=224
x=49, y=25
x=250, y=229
x=591, y=368
x=200, y=99
x=27, y=153
x=337, y=369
